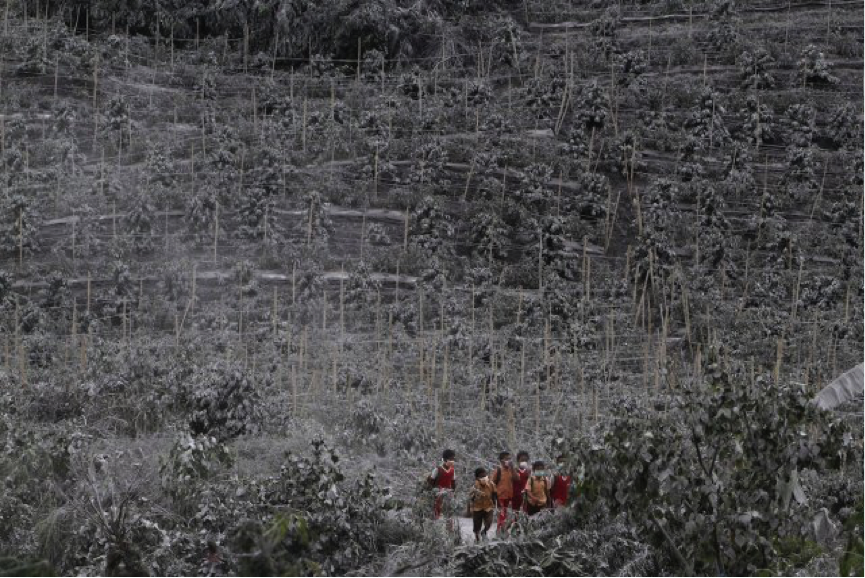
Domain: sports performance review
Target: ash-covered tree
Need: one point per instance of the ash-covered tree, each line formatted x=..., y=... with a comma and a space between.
x=532, y=191
x=604, y=30
x=309, y=289
x=140, y=221
x=377, y=236
x=758, y=126
x=56, y=293
x=66, y=155
x=373, y=66
x=428, y=165
x=590, y=199
x=201, y=216
x=575, y=146
x=7, y=295
x=845, y=129
x=723, y=36
x=813, y=69
x=799, y=122
x=507, y=43
x=800, y=176
x=716, y=245
x=591, y=109
x=257, y=218
x=738, y=172
x=629, y=66
x=552, y=234
x=224, y=155
x=205, y=85
x=174, y=282
x=625, y=156
x=855, y=176
x=706, y=121
x=654, y=251
x=821, y=292
x=431, y=229
x=362, y=290
x=243, y=277
x=690, y=165
x=375, y=128
x=161, y=175
x=116, y=122
x=32, y=53
x=489, y=237
x=768, y=224
x=120, y=296
x=317, y=226
x=844, y=217
x=543, y=95
x=755, y=69
x=86, y=237
x=19, y=225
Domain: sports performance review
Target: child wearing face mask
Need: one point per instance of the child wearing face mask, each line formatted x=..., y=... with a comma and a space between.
x=537, y=490
x=523, y=471
x=482, y=498
x=504, y=477
x=561, y=488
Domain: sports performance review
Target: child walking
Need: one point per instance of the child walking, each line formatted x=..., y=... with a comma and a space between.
x=523, y=471
x=537, y=490
x=504, y=477
x=482, y=501
x=443, y=478
x=562, y=481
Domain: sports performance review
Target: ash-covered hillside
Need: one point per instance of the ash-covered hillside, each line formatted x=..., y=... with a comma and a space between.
x=262, y=262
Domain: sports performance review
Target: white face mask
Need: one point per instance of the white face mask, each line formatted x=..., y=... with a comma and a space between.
x=485, y=479
x=524, y=465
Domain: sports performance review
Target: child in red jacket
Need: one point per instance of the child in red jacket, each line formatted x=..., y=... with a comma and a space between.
x=562, y=481
x=524, y=470
x=443, y=478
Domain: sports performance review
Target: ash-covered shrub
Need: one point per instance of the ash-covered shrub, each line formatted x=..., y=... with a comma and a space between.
x=813, y=68
x=431, y=229
x=190, y=465
x=325, y=523
x=714, y=475
x=844, y=128
x=758, y=125
x=19, y=225
x=224, y=402
x=755, y=69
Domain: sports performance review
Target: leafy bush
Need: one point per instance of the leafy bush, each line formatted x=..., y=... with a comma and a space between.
x=754, y=69
x=844, y=129
x=715, y=478
x=334, y=525
x=706, y=121
x=431, y=230
x=19, y=225
x=800, y=124
x=224, y=402
x=813, y=68
x=591, y=109
x=758, y=126
x=190, y=464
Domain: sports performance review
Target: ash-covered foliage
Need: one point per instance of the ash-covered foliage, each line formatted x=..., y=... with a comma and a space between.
x=724, y=477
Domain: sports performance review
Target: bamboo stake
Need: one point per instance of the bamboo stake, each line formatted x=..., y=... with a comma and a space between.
x=778, y=357
x=405, y=232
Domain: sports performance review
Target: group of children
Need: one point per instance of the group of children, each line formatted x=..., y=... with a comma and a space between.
x=511, y=486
